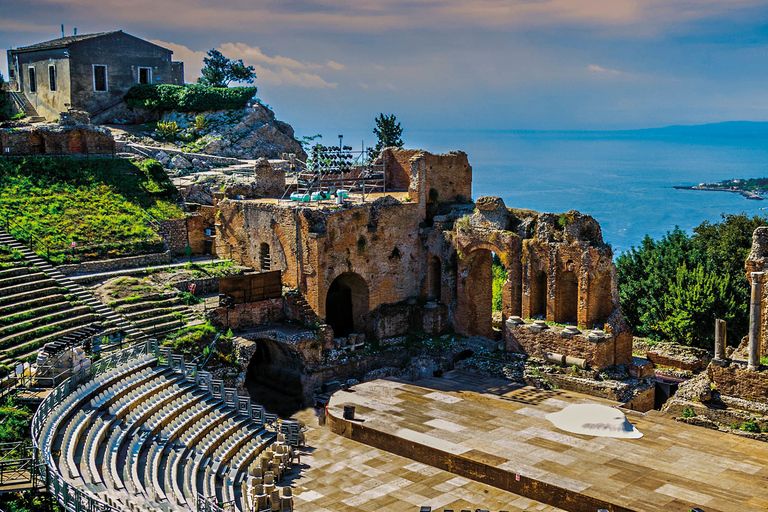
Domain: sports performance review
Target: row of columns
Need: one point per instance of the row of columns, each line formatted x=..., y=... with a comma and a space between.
x=755, y=324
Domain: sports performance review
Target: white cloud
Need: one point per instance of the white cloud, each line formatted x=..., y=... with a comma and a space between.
x=606, y=71
x=275, y=70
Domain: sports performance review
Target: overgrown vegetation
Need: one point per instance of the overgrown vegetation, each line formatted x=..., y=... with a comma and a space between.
x=14, y=422
x=5, y=108
x=191, y=340
x=188, y=98
x=673, y=288
x=107, y=207
x=499, y=278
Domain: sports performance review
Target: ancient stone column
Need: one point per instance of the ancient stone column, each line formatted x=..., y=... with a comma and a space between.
x=755, y=321
x=720, y=339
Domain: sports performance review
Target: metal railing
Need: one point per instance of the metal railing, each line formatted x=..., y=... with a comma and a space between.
x=20, y=466
x=18, y=101
x=21, y=234
x=75, y=500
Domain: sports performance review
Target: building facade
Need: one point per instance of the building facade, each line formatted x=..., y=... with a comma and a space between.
x=89, y=72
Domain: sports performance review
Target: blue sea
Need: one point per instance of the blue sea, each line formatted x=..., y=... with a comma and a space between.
x=623, y=179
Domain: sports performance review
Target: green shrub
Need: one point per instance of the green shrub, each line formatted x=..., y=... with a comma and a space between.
x=189, y=299
x=750, y=426
x=499, y=278
x=168, y=129
x=188, y=98
x=688, y=413
x=201, y=123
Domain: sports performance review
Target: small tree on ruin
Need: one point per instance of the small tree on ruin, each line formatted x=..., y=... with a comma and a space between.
x=388, y=131
x=219, y=71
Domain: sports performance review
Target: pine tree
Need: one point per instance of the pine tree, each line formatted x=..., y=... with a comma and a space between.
x=219, y=71
x=388, y=131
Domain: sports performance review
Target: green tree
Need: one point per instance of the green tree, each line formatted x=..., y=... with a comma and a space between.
x=696, y=297
x=388, y=131
x=644, y=275
x=726, y=245
x=5, y=111
x=219, y=71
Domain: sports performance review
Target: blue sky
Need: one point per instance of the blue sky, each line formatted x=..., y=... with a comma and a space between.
x=325, y=66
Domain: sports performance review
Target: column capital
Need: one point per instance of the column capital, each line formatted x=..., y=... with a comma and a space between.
x=757, y=275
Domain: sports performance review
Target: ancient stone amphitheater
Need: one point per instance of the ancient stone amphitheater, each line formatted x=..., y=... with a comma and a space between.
x=142, y=430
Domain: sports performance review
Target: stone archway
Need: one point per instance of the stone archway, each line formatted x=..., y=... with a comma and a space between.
x=475, y=308
x=538, y=287
x=347, y=305
x=274, y=377
x=567, y=298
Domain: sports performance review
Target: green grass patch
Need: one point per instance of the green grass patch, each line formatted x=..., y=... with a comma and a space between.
x=191, y=341
x=105, y=205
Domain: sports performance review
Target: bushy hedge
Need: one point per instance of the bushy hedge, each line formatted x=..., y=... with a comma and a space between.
x=188, y=98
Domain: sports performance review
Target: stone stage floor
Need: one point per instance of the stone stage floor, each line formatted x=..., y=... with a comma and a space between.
x=673, y=467
x=341, y=475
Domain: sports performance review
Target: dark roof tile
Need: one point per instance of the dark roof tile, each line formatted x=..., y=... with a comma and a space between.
x=62, y=42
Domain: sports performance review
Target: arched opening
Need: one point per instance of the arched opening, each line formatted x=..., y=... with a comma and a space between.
x=346, y=305
x=476, y=300
x=265, y=262
x=600, y=300
x=567, y=293
x=435, y=279
x=273, y=378
x=539, y=295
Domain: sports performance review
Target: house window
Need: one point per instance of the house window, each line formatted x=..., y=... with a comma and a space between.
x=52, y=78
x=100, y=78
x=145, y=75
x=32, y=80
x=12, y=74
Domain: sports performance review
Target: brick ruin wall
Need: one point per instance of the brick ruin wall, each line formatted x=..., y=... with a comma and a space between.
x=599, y=354
x=736, y=380
x=391, y=252
x=56, y=140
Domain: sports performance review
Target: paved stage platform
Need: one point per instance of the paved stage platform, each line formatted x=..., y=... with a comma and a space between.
x=495, y=432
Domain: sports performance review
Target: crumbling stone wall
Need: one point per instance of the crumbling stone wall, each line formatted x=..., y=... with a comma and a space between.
x=599, y=351
x=736, y=380
x=757, y=261
x=56, y=140
x=173, y=232
x=436, y=250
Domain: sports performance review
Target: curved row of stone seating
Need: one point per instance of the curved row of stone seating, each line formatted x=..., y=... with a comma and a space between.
x=144, y=437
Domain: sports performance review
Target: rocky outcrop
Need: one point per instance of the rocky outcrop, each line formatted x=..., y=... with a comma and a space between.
x=249, y=133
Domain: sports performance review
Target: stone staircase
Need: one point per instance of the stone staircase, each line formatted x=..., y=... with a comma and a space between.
x=30, y=111
x=155, y=314
x=299, y=303
x=39, y=304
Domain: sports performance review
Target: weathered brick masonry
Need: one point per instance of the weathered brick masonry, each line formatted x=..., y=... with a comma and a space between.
x=424, y=261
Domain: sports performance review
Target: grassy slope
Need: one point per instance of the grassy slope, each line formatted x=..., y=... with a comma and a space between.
x=98, y=202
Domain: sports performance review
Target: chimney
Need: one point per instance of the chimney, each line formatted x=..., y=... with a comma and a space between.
x=62, y=30
x=75, y=30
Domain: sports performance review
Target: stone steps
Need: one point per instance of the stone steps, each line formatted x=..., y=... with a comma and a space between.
x=99, y=310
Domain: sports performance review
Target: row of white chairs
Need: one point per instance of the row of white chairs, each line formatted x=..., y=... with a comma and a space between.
x=152, y=404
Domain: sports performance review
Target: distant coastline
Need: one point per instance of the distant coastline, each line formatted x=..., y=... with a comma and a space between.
x=745, y=188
